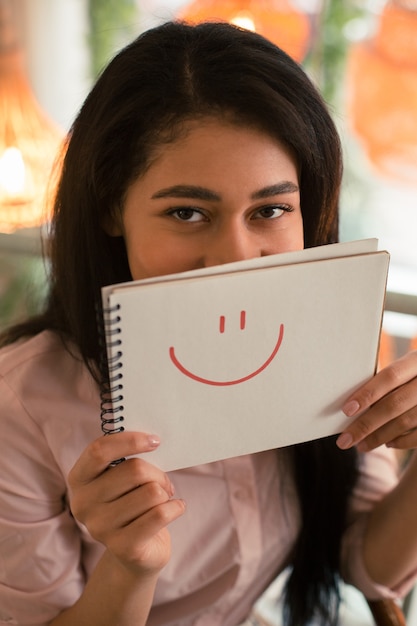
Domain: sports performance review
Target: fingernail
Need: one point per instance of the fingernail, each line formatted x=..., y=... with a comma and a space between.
x=153, y=441
x=172, y=489
x=351, y=408
x=344, y=441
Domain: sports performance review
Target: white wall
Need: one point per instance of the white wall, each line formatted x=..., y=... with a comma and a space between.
x=54, y=36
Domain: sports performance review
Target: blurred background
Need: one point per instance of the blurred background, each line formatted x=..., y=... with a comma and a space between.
x=362, y=54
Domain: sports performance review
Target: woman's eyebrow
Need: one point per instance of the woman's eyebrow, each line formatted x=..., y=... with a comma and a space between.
x=187, y=191
x=285, y=186
x=201, y=193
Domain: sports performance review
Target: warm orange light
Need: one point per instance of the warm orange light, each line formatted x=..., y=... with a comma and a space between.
x=382, y=88
x=386, y=353
x=277, y=20
x=29, y=141
x=12, y=173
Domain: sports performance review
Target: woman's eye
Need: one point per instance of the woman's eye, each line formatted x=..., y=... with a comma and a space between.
x=272, y=211
x=187, y=214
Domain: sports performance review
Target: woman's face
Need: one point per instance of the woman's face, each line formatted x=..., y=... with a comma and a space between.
x=218, y=194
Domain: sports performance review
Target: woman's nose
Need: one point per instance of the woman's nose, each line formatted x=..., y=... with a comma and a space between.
x=234, y=243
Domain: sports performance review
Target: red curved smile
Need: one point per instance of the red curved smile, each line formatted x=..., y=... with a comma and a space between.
x=221, y=383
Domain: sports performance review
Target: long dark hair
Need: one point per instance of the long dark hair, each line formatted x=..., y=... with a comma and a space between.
x=169, y=75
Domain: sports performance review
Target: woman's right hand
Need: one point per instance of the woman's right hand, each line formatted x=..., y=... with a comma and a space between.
x=126, y=507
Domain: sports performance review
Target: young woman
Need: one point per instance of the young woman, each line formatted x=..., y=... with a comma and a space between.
x=197, y=146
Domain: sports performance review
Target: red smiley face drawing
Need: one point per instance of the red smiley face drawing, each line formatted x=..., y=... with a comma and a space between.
x=223, y=383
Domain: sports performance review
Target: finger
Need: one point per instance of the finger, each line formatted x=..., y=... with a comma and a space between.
x=146, y=542
x=387, y=398
x=97, y=457
x=104, y=519
x=128, y=476
x=404, y=442
x=401, y=425
x=394, y=375
x=143, y=529
x=397, y=409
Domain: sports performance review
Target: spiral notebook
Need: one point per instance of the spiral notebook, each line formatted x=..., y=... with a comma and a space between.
x=243, y=357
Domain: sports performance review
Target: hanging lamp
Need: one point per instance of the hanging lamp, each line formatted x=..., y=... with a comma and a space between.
x=29, y=141
x=382, y=92
x=277, y=20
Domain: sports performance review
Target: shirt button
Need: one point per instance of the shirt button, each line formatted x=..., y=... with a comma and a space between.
x=242, y=495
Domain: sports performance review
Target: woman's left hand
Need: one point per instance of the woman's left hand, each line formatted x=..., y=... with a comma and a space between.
x=386, y=409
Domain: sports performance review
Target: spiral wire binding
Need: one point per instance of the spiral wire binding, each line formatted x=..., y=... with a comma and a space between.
x=111, y=407
x=111, y=388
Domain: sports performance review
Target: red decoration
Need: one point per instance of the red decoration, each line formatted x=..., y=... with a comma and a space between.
x=382, y=81
x=29, y=141
x=277, y=20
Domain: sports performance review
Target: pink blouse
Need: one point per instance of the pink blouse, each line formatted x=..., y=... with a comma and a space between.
x=241, y=522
